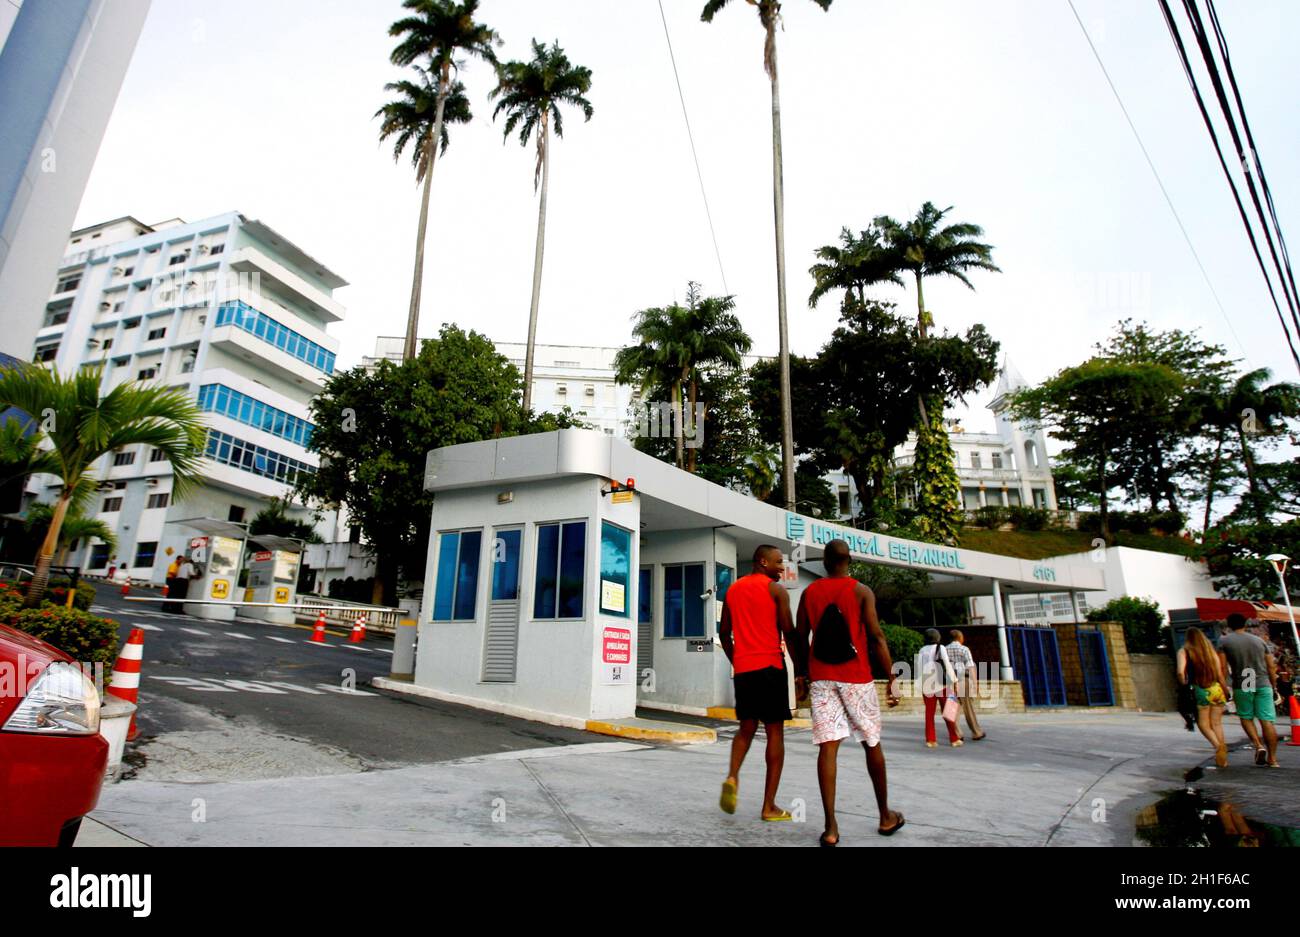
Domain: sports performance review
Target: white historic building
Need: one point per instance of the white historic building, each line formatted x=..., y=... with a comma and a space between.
x=226, y=309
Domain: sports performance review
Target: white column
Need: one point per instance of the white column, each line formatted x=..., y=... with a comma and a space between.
x=1074, y=603
x=1007, y=673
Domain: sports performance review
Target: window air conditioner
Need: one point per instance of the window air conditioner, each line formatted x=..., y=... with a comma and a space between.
x=104, y=307
x=203, y=248
x=118, y=271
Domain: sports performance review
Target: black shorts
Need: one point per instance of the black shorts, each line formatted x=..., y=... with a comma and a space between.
x=763, y=695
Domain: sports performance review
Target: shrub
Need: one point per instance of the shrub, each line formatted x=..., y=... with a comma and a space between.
x=84, y=598
x=1090, y=522
x=904, y=643
x=1169, y=523
x=991, y=516
x=1027, y=518
x=84, y=637
x=1143, y=622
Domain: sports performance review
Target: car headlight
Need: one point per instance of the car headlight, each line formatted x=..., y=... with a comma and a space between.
x=62, y=701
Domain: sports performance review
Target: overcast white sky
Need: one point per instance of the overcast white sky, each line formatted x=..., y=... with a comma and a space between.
x=996, y=108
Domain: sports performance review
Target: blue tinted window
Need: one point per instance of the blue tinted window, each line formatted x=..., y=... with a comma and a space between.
x=672, y=601
x=644, y=600
x=467, y=574
x=548, y=561
x=615, y=570
x=505, y=564
x=692, y=589
x=573, y=554
x=445, y=587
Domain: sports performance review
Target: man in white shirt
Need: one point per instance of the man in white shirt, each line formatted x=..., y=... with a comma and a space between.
x=967, y=681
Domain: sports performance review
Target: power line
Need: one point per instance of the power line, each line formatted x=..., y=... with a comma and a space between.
x=691, y=137
x=1236, y=195
x=1160, y=182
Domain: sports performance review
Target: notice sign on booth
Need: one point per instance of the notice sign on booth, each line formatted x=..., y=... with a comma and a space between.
x=616, y=656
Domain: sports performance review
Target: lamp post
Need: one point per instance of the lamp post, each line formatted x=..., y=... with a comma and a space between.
x=1279, y=563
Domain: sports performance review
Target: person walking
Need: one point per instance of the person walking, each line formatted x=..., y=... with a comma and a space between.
x=1200, y=668
x=755, y=616
x=838, y=613
x=967, y=681
x=1254, y=678
x=936, y=678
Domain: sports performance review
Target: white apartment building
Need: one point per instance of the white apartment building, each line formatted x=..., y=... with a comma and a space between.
x=225, y=308
x=1007, y=468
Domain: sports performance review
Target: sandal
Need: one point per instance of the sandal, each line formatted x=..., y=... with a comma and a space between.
x=823, y=841
x=895, y=828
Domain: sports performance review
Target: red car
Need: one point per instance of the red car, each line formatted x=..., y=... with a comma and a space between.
x=52, y=757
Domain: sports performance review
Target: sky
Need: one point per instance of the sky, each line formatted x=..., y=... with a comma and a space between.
x=995, y=108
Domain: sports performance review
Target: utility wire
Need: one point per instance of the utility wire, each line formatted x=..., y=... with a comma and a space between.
x=695, y=156
x=1241, y=208
x=1160, y=182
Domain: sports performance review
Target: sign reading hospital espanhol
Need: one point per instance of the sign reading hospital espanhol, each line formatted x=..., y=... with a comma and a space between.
x=800, y=530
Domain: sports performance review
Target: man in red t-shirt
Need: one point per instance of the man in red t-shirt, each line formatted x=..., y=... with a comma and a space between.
x=755, y=615
x=843, y=692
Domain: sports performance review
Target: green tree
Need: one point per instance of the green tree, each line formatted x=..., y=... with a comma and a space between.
x=274, y=519
x=1144, y=624
x=434, y=35
x=76, y=527
x=1233, y=553
x=857, y=262
x=80, y=425
x=938, y=492
x=531, y=95
x=374, y=430
x=410, y=118
x=769, y=15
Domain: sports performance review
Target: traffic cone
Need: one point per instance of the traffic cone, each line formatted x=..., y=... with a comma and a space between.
x=126, y=674
x=126, y=586
x=318, y=633
x=358, y=630
x=165, y=590
x=1295, y=719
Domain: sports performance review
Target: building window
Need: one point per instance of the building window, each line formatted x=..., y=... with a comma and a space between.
x=98, y=556
x=262, y=326
x=217, y=249
x=108, y=343
x=159, y=501
x=235, y=515
x=1040, y=497
x=131, y=324
x=561, y=562
x=147, y=374
x=56, y=318
x=156, y=334
x=997, y=460
x=457, y=579
x=111, y=506
x=176, y=259
x=47, y=352
x=683, y=607
x=505, y=565
x=845, y=505
x=68, y=284
x=974, y=460
x=217, y=398
x=157, y=455
x=1031, y=455
x=145, y=553
x=128, y=271
x=615, y=570
x=124, y=458
x=228, y=450
x=723, y=578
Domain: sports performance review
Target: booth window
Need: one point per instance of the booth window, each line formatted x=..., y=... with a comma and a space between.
x=683, y=605
x=505, y=565
x=725, y=576
x=457, y=581
x=561, y=558
x=615, y=570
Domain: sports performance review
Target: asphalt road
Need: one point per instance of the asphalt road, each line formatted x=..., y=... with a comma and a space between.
x=253, y=680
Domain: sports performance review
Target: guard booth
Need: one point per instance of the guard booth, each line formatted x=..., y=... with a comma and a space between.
x=216, y=548
x=273, y=578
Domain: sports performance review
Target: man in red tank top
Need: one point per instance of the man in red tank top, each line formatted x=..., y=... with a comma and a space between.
x=843, y=692
x=755, y=615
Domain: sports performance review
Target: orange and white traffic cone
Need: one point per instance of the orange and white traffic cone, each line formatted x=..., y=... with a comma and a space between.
x=358, y=630
x=126, y=586
x=318, y=633
x=126, y=674
x=1295, y=719
x=165, y=589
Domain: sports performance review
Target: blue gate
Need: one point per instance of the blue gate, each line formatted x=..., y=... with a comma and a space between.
x=1096, y=667
x=1037, y=660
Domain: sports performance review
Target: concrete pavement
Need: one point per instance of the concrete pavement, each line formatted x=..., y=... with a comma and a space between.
x=1075, y=778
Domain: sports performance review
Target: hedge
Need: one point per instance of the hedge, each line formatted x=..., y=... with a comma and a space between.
x=84, y=637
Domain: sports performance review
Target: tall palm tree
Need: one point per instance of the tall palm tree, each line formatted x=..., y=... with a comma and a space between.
x=76, y=526
x=435, y=34
x=80, y=426
x=714, y=338
x=655, y=362
x=1249, y=407
x=769, y=15
x=857, y=262
x=410, y=117
x=531, y=94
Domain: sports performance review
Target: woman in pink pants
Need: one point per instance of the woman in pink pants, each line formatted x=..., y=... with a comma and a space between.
x=937, y=680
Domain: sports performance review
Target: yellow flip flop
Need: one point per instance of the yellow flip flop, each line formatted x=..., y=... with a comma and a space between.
x=783, y=815
x=728, y=800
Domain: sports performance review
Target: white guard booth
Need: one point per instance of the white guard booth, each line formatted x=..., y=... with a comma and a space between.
x=572, y=578
x=273, y=577
x=216, y=549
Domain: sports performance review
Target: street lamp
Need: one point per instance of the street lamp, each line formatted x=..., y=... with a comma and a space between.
x=1279, y=563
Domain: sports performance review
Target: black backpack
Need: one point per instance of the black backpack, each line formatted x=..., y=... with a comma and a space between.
x=832, y=643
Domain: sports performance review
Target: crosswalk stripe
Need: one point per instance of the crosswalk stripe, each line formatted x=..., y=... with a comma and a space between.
x=201, y=634
x=236, y=634
x=271, y=637
x=318, y=643
x=143, y=627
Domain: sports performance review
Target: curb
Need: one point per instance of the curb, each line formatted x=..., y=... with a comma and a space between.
x=653, y=733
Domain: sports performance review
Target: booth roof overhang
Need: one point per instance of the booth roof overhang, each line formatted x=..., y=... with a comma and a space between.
x=1220, y=609
x=672, y=499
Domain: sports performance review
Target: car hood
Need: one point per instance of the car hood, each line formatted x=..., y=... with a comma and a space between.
x=14, y=642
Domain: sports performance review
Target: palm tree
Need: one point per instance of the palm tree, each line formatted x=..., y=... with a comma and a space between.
x=1250, y=407
x=856, y=263
x=410, y=117
x=80, y=426
x=435, y=34
x=655, y=361
x=769, y=14
x=531, y=93
x=76, y=526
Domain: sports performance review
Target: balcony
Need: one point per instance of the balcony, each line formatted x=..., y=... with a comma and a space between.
x=240, y=344
x=279, y=279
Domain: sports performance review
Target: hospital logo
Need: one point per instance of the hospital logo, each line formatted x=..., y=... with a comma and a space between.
x=795, y=527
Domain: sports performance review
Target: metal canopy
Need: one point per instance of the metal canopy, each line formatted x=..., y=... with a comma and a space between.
x=214, y=527
x=276, y=542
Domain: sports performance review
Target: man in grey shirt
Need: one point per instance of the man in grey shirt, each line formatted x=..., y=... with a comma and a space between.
x=1254, y=673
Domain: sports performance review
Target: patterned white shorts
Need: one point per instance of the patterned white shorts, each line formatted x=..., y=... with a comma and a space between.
x=838, y=707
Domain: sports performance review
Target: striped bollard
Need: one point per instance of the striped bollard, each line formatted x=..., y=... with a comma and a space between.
x=126, y=675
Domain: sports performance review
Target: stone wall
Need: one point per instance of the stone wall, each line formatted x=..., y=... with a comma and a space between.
x=1156, y=683
x=1006, y=696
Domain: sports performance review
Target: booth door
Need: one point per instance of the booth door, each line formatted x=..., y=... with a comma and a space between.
x=645, y=648
x=501, y=636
